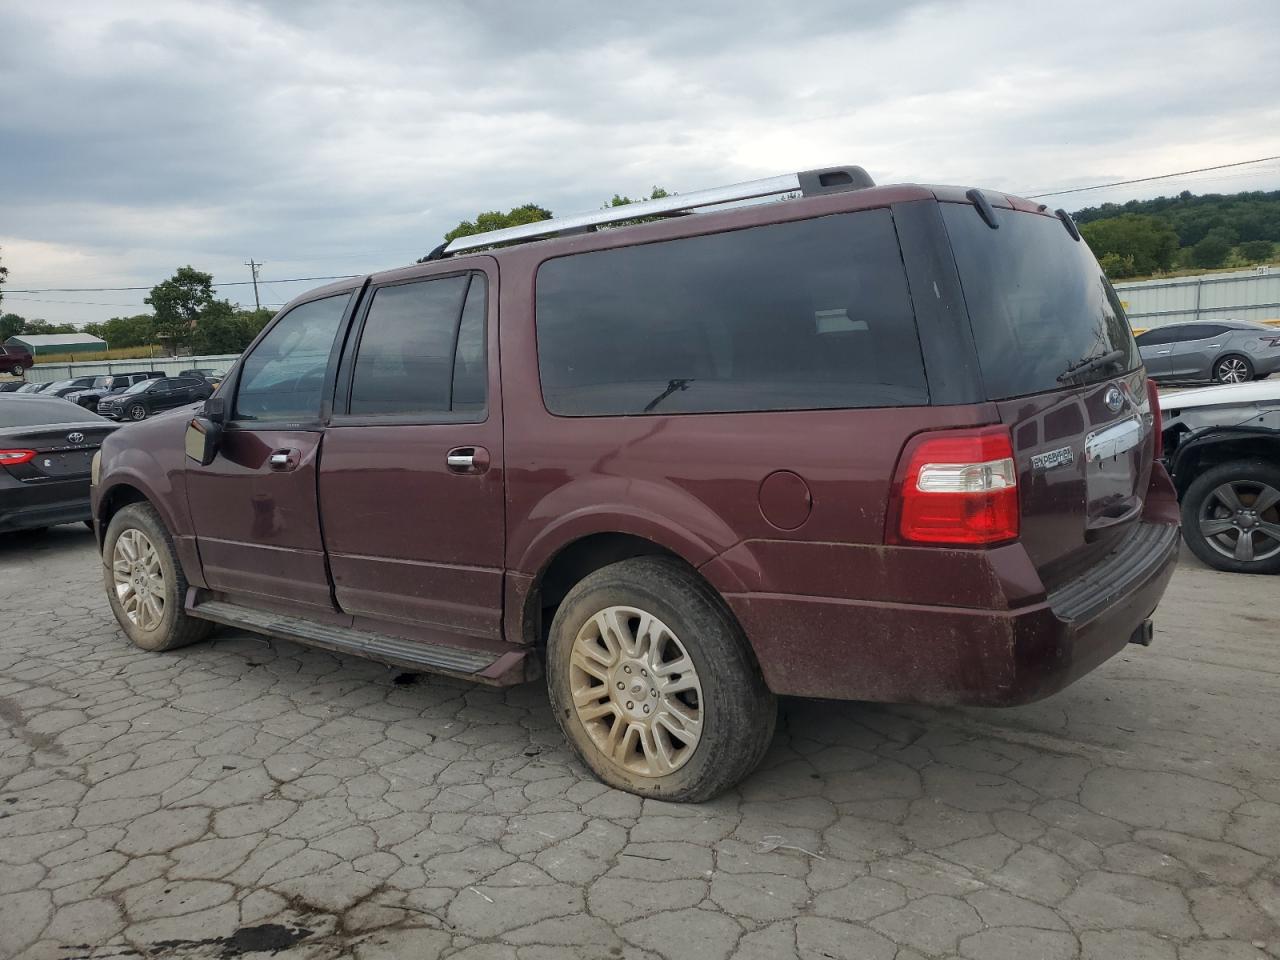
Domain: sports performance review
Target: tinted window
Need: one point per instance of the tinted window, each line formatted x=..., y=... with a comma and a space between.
x=417, y=340
x=1038, y=302
x=283, y=378
x=141, y=385
x=804, y=315
x=1204, y=331
x=1153, y=338
x=33, y=411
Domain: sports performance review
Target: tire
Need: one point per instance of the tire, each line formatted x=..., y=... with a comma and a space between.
x=1233, y=368
x=725, y=697
x=1207, y=507
x=137, y=412
x=172, y=627
x=17, y=370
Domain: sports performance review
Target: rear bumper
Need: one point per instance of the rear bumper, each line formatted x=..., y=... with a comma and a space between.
x=25, y=506
x=910, y=653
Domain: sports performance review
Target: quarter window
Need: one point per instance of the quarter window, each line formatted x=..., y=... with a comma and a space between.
x=422, y=349
x=805, y=315
x=283, y=378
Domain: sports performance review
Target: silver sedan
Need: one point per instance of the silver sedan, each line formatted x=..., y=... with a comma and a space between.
x=1222, y=351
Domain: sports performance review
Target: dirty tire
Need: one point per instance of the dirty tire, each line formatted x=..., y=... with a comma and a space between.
x=1250, y=473
x=737, y=710
x=175, y=628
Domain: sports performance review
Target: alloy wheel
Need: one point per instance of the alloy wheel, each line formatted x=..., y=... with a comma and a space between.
x=636, y=691
x=138, y=412
x=1233, y=370
x=139, y=579
x=1240, y=519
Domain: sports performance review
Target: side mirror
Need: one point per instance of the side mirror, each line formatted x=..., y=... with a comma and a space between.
x=203, y=439
x=215, y=410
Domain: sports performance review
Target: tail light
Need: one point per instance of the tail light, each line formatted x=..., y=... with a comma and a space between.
x=1272, y=341
x=11, y=458
x=1157, y=419
x=959, y=488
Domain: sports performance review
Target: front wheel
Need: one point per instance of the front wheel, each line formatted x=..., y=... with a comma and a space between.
x=17, y=370
x=1231, y=517
x=654, y=684
x=137, y=412
x=1233, y=369
x=144, y=581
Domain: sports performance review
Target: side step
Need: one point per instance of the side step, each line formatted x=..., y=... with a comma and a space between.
x=481, y=665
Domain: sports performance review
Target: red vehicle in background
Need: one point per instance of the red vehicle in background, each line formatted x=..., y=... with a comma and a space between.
x=884, y=443
x=15, y=359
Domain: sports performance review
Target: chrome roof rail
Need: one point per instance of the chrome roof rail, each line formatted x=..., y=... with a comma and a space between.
x=807, y=183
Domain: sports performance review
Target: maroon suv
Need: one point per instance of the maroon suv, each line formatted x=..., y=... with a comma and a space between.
x=880, y=443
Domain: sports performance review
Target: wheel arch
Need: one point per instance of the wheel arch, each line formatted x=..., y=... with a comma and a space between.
x=1204, y=450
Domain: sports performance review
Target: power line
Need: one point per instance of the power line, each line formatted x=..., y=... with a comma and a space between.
x=227, y=283
x=1162, y=176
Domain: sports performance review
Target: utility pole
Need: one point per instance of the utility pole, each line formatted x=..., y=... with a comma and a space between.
x=253, y=267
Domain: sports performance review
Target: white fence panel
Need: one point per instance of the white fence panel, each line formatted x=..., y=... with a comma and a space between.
x=45, y=372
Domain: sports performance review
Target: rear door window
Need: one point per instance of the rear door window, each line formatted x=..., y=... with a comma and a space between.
x=792, y=316
x=1039, y=304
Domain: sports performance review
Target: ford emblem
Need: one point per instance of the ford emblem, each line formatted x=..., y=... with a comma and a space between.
x=1113, y=398
x=75, y=437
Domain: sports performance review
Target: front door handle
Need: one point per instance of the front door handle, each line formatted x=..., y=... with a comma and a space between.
x=467, y=460
x=284, y=460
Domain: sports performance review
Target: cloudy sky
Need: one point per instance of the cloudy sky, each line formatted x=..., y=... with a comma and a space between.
x=338, y=138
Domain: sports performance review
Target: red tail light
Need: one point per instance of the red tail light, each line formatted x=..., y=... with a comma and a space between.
x=1157, y=419
x=959, y=488
x=11, y=458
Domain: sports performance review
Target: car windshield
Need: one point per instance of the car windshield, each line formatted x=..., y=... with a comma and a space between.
x=140, y=386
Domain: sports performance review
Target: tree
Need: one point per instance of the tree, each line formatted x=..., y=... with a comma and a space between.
x=11, y=325
x=178, y=303
x=1117, y=267
x=42, y=327
x=135, y=331
x=1257, y=251
x=223, y=328
x=1150, y=242
x=657, y=194
x=497, y=220
x=1212, y=251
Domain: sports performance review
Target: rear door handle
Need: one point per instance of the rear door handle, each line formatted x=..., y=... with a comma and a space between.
x=284, y=460
x=467, y=460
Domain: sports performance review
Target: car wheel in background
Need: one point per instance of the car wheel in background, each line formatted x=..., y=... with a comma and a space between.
x=1233, y=368
x=16, y=370
x=654, y=684
x=144, y=582
x=137, y=412
x=1231, y=517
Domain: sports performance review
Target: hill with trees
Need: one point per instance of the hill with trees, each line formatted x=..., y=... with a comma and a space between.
x=1147, y=237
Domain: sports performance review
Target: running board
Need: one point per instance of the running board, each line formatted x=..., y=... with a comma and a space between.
x=481, y=665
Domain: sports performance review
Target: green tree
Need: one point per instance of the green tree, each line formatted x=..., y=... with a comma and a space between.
x=1117, y=267
x=223, y=328
x=497, y=220
x=618, y=201
x=135, y=331
x=1212, y=251
x=1257, y=251
x=1149, y=241
x=178, y=303
x=42, y=327
x=10, y=326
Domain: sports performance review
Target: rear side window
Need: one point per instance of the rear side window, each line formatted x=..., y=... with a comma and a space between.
x=1038, y=302
x=283, y=378
x=422, y=349
x=792, y=316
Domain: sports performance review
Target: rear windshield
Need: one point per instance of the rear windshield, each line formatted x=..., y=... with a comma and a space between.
x=1038, y=302
x=24, y=412
x=805, y=315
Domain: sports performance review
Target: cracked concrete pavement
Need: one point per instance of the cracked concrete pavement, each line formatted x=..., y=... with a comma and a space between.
x=242, y=796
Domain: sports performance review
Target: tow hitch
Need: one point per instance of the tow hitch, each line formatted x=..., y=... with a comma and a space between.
x=1143, y=634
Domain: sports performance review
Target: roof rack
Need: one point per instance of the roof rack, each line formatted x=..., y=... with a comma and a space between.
x=807, y=183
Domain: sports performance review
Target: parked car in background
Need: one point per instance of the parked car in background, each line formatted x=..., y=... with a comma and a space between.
x=10, y=386
x=115, y=383
x=63, y=388
x=30, y=388
x=46, y=447
x=1224, y=351
x=15, y=360
x=1222, y=446
x=737, y=456
x=153, y=395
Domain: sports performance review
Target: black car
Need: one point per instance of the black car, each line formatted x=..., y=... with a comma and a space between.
x=46, y=450
x=114, y=384
x=9, y=386
x=63, y=388
x=151, y=396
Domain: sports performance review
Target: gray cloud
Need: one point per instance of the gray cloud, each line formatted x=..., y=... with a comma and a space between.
x=338, y=138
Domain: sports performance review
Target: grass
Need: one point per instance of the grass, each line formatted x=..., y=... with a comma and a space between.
x=120, y=353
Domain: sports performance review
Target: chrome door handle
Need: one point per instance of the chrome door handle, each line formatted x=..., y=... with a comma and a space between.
x=279, y=459
x=1161, y=353
x=461, y=461
x=283, y=460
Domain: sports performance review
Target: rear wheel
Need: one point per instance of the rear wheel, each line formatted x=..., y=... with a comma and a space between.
x=654, y=685
x=1233, y=368
x=144, y=582
x=1231, y=517
x=17, y=370
x=137, y=412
